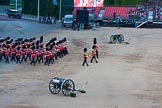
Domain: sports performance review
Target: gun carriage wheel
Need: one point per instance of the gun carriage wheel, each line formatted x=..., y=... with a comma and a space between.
x=67, y=87
x=54, y=86
x=117, y=38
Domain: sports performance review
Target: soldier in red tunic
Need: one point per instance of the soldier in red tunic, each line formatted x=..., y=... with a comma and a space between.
x=41, y=51
x=13, y=53
x=47, y=57
x=93, y=54
x=52, y=54
x=33, y=56
x=28, y=51
x=85, y=56
x=18, y=55
x=7, y=54
x=64, y=45
x=55, y=52
x=37, y=54
x=23, y=53
x=3, y=50
x=59, y=50
x=95, y=44
x=1, y=53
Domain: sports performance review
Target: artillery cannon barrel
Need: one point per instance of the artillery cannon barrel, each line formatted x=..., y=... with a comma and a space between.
x=56, y=81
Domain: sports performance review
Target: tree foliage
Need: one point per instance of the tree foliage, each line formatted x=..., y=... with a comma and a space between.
x=46, y=7
x=4, y=2
x=122, y=2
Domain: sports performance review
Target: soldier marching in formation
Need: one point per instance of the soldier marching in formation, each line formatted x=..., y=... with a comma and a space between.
x=33, y=50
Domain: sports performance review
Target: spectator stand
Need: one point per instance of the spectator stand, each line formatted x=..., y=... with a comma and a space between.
x=130, y=16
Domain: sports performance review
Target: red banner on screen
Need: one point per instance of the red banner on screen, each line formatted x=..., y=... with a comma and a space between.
x=88, y=3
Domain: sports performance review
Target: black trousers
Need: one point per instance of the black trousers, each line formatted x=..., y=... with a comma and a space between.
x=18, y=60
x=85, y=61
x=56, y=56
x=13, y=57
x=41, y=59
x=93, y=57
x=47, y=62
x=28, y=56
x=0, y=57
x=97, y=54
x=7, y=60
x=37, y=60
x=33, y=61
x=23, y=59
x=52, y=60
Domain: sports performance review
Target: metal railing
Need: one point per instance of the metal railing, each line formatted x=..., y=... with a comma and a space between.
x=3, y=10
x=30, y=17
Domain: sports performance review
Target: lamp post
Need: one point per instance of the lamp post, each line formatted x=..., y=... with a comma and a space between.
x=60, y=11
x=38, y=8
x=16, y=4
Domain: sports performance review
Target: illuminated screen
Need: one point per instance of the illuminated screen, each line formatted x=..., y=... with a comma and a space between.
x=88, y=3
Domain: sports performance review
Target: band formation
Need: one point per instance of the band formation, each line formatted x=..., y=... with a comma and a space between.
x=32, y=50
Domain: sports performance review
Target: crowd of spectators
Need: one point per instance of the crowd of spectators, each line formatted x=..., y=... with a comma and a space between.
x=143, y=12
